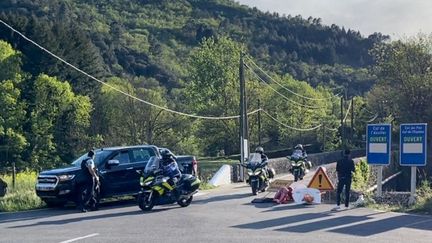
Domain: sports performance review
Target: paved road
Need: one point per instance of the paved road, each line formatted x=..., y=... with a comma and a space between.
x=222, y=215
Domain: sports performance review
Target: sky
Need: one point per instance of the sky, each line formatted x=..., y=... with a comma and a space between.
x=397, y=18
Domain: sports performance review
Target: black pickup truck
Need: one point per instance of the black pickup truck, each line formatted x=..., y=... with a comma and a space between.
x=117, y=168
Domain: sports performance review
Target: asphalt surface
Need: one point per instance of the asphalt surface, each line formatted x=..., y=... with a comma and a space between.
x=220, y=215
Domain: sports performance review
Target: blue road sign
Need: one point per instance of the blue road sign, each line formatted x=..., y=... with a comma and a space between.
x=413, y=144
x=378, y=144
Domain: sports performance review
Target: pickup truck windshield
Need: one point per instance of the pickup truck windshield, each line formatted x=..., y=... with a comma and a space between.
x=100, y=157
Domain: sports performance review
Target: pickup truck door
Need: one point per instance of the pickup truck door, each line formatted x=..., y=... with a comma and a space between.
x=115, y=178
x=139, y=158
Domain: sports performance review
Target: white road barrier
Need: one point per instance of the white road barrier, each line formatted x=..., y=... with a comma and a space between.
x=222, y=176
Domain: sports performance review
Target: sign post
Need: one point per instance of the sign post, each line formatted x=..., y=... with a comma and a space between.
x=413, y=150
x=378, y=148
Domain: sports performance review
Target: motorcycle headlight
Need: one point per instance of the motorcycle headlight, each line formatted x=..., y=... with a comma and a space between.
x=250, y=172
x=257, y=172
x=66, y=177
x=147, y=183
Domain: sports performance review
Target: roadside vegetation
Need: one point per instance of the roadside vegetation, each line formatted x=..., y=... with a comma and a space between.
x=23, y=196
x=360, y=180
x=424, y=199
x=423, y=204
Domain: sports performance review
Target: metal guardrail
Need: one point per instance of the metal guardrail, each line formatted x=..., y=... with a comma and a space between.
x=374, y=187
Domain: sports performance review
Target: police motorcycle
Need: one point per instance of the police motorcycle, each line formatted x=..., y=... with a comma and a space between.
x=299, y=166
x=259, y=177
x=156, y=190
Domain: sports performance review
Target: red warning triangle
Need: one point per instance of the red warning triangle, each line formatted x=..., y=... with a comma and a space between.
x=321, y=181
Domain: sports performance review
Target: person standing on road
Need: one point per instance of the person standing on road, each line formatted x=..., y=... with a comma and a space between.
x=88, y=190
x=344, y=168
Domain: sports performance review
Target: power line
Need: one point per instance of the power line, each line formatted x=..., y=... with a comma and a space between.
x=118, y=90
x=347, y=112
x=286, y=98
x=292, y=92
x=373, y=119
x=290, y=127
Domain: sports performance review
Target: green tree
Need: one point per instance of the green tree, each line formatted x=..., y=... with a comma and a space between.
x=298, y=112
x=12, y=114
x=404, y=91
x=59, y=122
x=129, y=121
x=214, y=90
x=405, y=73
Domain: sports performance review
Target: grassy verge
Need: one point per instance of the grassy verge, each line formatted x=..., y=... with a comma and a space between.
x=206, y=186
x=423, y=204
x=424, y=199
x=23, y=196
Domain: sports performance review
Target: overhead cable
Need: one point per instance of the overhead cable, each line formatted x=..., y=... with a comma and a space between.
x=292, y=92
x=290, y=127
x=119, y=90
x=283, y=96
x=347, y=112
x=373, y=119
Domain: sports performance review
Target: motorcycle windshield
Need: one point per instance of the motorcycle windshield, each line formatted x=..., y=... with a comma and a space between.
x=254, y=159
x=298, y=154
x=152, y=165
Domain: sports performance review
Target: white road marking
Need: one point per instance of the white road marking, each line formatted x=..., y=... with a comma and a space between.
x=80, y=238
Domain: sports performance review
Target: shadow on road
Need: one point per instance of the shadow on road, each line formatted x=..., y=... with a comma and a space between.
x=222, y=198
x=84, y=217
x=387, y=224
x=52, y=212
x=282, y=221
x=325, y=224
x=284, y=207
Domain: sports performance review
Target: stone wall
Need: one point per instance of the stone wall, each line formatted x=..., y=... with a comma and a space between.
x=281, y=165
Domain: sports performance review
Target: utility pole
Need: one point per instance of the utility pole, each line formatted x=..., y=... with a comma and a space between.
x=259, y=122
x=244, y=148
x=342, y=123
x=324, y=138
x=246, y=123
x=352, y=120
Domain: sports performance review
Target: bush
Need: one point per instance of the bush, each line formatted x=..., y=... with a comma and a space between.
x=424, y=198
x=361, y=176
x=23, y=196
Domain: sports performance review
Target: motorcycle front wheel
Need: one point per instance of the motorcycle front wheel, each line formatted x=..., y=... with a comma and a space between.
x=144, y=203
x=254, y=186
x=296, y=175
x=184, y=202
